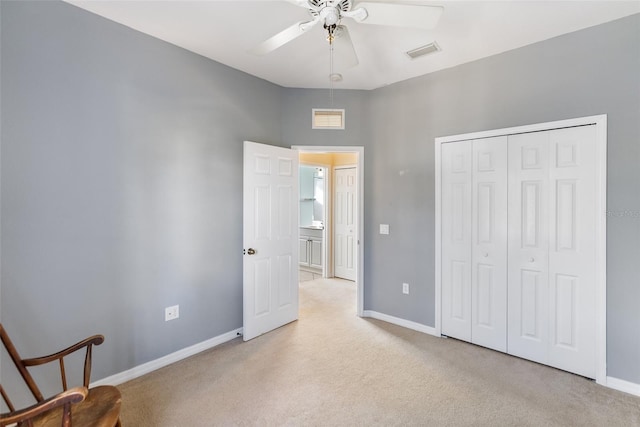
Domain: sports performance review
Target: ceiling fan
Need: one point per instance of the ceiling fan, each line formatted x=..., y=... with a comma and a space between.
x=331, y=12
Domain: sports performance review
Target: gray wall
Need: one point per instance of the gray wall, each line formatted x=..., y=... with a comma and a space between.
x=296, y=117
x=594, y=71
x=121, y=186
x=121, y=175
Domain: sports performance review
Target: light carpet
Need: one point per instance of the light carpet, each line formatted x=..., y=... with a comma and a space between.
x=333, y=368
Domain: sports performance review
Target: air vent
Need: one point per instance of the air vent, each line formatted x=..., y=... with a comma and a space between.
x=327, y=119
x=424, y=50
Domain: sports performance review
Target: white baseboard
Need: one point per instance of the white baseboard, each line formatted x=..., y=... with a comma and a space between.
x=151, y=366
x=401, y=322
x=622, y=385
x=128, y=375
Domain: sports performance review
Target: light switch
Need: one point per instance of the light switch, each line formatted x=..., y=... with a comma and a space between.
x=384, y=228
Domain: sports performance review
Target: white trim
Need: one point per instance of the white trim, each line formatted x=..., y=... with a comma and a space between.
x=438, y=238
x=177, y=356
x=580, y=121
x=360, y=166
x=401, y=322
x=622, y=385
x=600, y=121
x=601, y=248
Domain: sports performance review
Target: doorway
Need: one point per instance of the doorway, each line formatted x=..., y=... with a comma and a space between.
x=313, y=214
x=332, y=159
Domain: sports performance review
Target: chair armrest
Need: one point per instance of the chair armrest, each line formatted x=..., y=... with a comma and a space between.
x=94, y=340
x=87, y=343
x=73, y=395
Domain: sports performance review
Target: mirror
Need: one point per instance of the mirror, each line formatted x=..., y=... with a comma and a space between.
x=311, y=196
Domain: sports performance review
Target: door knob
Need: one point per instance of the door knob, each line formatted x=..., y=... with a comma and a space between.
x=486, y=254
x=532, y=259
x=251, y=251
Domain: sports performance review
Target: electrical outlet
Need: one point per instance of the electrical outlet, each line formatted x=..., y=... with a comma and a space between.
x=171, y=313
x=405, y=288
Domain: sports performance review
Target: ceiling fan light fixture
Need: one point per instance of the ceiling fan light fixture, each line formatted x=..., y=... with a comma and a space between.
x=424, y=50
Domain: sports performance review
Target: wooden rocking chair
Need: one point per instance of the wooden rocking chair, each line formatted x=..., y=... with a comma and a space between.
x=78, y=406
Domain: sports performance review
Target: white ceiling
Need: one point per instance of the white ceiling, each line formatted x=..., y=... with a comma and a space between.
x=468, y=30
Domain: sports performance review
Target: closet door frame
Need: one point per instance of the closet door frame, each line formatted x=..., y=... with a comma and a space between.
x=600, y=232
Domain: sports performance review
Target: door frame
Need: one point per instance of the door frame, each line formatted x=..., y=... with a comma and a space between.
x=600, y=121
x=360, y=216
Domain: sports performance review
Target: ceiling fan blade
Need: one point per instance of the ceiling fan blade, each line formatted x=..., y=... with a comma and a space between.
x=344, y=53
x=283, y=37
x=397, y=15
x=301, y=3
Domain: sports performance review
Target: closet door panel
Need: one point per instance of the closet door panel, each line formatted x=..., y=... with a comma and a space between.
x=456, y=239
x=572, y=256
x=489, y=244
x=528, y=243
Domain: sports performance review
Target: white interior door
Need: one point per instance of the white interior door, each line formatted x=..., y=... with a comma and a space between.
x=270, y=238
x=456, y=239
x=344, y=223
x=489, y=247
x=528, y=245
x=572, y=251
x=552, y=276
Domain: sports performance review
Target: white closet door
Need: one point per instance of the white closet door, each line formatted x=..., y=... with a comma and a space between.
x=572, y=252
x=528, y=307
x=521, y=240
x=489, y=244
x=344, y=223
x=456, y=239
x=552, y=253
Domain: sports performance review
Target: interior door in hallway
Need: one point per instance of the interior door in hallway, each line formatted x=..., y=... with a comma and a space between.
x=270, y=238
x=345, y=211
